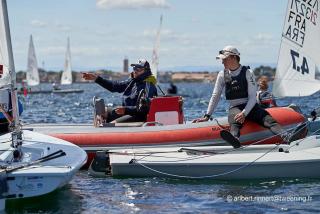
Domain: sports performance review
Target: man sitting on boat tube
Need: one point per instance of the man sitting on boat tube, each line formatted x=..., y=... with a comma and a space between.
x=141, y=80
x=239, y=85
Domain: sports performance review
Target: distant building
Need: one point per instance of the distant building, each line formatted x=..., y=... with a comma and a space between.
x=126, y=65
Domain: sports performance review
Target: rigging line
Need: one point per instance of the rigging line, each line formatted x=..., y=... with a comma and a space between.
x=208, y=176
x=285, y=131
x=196, y=157
x=300, y=140
x=207, y=155
x=226, y=152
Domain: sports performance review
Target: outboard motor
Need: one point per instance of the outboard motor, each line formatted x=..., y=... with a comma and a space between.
x=100, y=165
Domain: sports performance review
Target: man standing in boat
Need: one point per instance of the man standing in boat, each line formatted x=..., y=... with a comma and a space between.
x=240, y=90
x=141, y=81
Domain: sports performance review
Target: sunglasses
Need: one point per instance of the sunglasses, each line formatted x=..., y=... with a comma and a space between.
x=138, y=69
x=225, y=51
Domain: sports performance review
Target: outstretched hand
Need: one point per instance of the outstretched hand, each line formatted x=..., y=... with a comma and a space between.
x=89, y=76
x=199, y=120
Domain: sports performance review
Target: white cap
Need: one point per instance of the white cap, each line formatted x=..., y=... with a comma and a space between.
x=142, y=63
x=228, y=51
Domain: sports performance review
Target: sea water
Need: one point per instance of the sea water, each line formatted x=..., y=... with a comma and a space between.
x=87, y=194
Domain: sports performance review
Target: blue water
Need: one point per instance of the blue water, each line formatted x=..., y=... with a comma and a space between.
x=87, y=194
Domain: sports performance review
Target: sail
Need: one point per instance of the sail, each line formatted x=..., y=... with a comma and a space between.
x=32, y=70
x=7, y=69
x=299, y=56
x=155, y=53
x=5, y=66
x=66, y=78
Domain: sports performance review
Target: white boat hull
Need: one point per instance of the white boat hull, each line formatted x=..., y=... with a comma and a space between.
x=254, y=162
x=36, y=177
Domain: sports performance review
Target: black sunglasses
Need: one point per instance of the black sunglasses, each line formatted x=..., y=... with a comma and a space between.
x=138, y=69
x=225, y=51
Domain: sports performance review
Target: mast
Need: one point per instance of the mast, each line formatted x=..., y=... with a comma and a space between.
x=16, y=134
x=155, y=53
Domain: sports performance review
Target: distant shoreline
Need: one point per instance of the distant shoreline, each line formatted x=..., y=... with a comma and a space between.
x=169, y=76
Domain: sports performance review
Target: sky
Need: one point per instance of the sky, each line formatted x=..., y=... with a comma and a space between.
x=104, y=32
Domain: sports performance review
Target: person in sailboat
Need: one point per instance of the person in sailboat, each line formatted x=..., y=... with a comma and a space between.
x=173, y=89
x=264, y=98
x=6, y=110
x=55, y=86
x=239, y=85
x=141, y=81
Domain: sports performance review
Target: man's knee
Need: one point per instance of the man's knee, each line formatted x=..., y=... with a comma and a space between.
x=268, y=121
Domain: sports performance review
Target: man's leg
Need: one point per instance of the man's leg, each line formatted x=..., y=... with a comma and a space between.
x=111, y=115
x=262, y=117
x=234, y=125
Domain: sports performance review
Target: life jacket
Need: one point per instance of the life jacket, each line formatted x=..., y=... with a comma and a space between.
x=265, y=99
x=237, y=86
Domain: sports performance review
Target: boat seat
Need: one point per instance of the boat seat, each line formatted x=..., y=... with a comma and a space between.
x=167, y=110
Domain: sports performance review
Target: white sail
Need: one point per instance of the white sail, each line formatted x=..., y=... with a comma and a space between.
x=155, y=53
x=66, y=78
x=7, y=69
x=299, y=57
x=5, y=64
x=32, y=70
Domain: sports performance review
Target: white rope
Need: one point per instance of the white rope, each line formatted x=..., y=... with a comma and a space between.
x=206, y=176
x=227, y=172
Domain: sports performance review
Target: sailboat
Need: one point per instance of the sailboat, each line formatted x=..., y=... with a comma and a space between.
x=155, y=52
x=66, y=77
x=298, y=71
x=32, y=73
x=32, y=164
x=155, y=61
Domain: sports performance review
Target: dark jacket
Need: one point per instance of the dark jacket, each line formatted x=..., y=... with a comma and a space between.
x=131, y=89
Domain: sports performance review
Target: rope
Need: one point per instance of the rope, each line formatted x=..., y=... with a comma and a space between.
x=206, y=176
x=134, y=160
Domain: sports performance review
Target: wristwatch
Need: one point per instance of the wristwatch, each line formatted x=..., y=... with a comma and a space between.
x=207, y=116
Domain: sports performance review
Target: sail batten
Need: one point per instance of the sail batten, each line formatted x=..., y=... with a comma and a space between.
x=299, y=57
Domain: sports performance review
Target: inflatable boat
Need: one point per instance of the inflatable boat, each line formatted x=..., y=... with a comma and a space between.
x=165, y=127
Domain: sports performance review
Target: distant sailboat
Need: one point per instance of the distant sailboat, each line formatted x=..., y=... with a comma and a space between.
x=32, y=73
x=33, y=78
x=66, y=77
x=155, y=52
